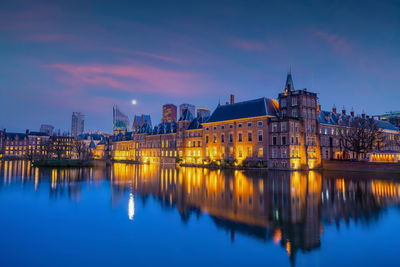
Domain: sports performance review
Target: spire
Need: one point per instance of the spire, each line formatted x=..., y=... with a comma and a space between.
x=289, y=82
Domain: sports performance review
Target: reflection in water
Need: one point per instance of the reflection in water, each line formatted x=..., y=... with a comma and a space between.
x=286, y=208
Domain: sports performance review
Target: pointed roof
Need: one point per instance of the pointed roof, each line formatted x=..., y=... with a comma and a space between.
x=186, y=115
x=289, y=86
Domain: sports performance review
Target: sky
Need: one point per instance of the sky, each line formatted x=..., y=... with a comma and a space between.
x=57, y=57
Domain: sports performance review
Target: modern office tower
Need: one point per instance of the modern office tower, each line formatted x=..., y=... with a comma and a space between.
x=191, y=108
x=169, y=113
x=120, y=120
x=47, y=128
x=203, y=112
x=78, y=123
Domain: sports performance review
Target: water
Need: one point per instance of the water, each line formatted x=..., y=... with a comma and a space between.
x=148, y=215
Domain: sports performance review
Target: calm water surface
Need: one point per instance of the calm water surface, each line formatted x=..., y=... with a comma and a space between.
x=150, y=215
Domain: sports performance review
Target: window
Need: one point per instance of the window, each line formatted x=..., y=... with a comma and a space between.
x=283, y=126
x=230, y=126
x=222, y=138
x=249, y=137
x=240, y=137
x=294, y=101
x=214, y=128
x=274, y=140
x=295, y=113
x=284, y=155
x=260, y=136
x=206, y=139
x=260, y=123
x=222, y=127
x=230, y=137
x=239, y=125
x=283, y=140
x=207, y=129
x=249, y=151
x=214, y=138
x=240, y=152
x=249, y=124
x=274, y=127
x=260, y=152
x=274, y=153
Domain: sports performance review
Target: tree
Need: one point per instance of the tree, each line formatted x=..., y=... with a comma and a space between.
x=79, y=148
x=361, y=136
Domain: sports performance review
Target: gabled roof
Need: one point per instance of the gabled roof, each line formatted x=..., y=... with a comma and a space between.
x=186, y=115
x=247, y=109
x=196, y=123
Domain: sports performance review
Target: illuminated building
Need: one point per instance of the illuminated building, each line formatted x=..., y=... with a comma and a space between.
x=169, y=113
x=78, y=123
x=140, y=122
x=19, y=144
x=2, y=142
x=291, y=133
x=332, y=124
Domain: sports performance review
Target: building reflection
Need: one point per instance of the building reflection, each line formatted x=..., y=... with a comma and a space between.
x=289, y=209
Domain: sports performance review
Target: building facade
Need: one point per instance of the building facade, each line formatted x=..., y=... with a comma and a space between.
x=78, y=123
x=169, y=113
x=290, y=133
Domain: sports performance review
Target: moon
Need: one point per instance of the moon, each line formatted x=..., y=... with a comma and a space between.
x=134, y=102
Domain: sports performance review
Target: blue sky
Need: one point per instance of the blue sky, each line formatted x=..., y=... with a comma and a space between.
x=63, y=56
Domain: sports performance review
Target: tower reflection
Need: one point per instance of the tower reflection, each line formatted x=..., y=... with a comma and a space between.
x=289, y=209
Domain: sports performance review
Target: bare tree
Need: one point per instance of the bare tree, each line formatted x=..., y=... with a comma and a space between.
x=361, y=136
x=79, y=148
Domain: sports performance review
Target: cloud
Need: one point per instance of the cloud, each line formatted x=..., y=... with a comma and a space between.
x=335, y=41
x=51, y=37
x=131, y=78
x=253, y=45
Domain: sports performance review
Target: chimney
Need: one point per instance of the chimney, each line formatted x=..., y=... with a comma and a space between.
x=227, y=103
x=367, y=116
x=334, y=109
x=232, y=99
x=27, y=131
x=343, y=111
x=352, y=113
x=363, y=114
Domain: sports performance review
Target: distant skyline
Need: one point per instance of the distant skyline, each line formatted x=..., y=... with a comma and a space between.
x=60, y=57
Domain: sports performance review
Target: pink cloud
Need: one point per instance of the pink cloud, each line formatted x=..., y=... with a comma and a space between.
x=51, y=37
x=337, y=42
x=254, y=46
x=130, y=78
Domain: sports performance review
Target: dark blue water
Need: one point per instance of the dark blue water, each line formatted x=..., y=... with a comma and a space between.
x=148, y=215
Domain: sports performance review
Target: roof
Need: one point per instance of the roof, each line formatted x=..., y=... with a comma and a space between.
x=329, y=117
x=14, y=135
x=247, y=109
x=38, y=134
x=92, y=136
x=196, y=123
x=92, y=145
x=186, y=115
